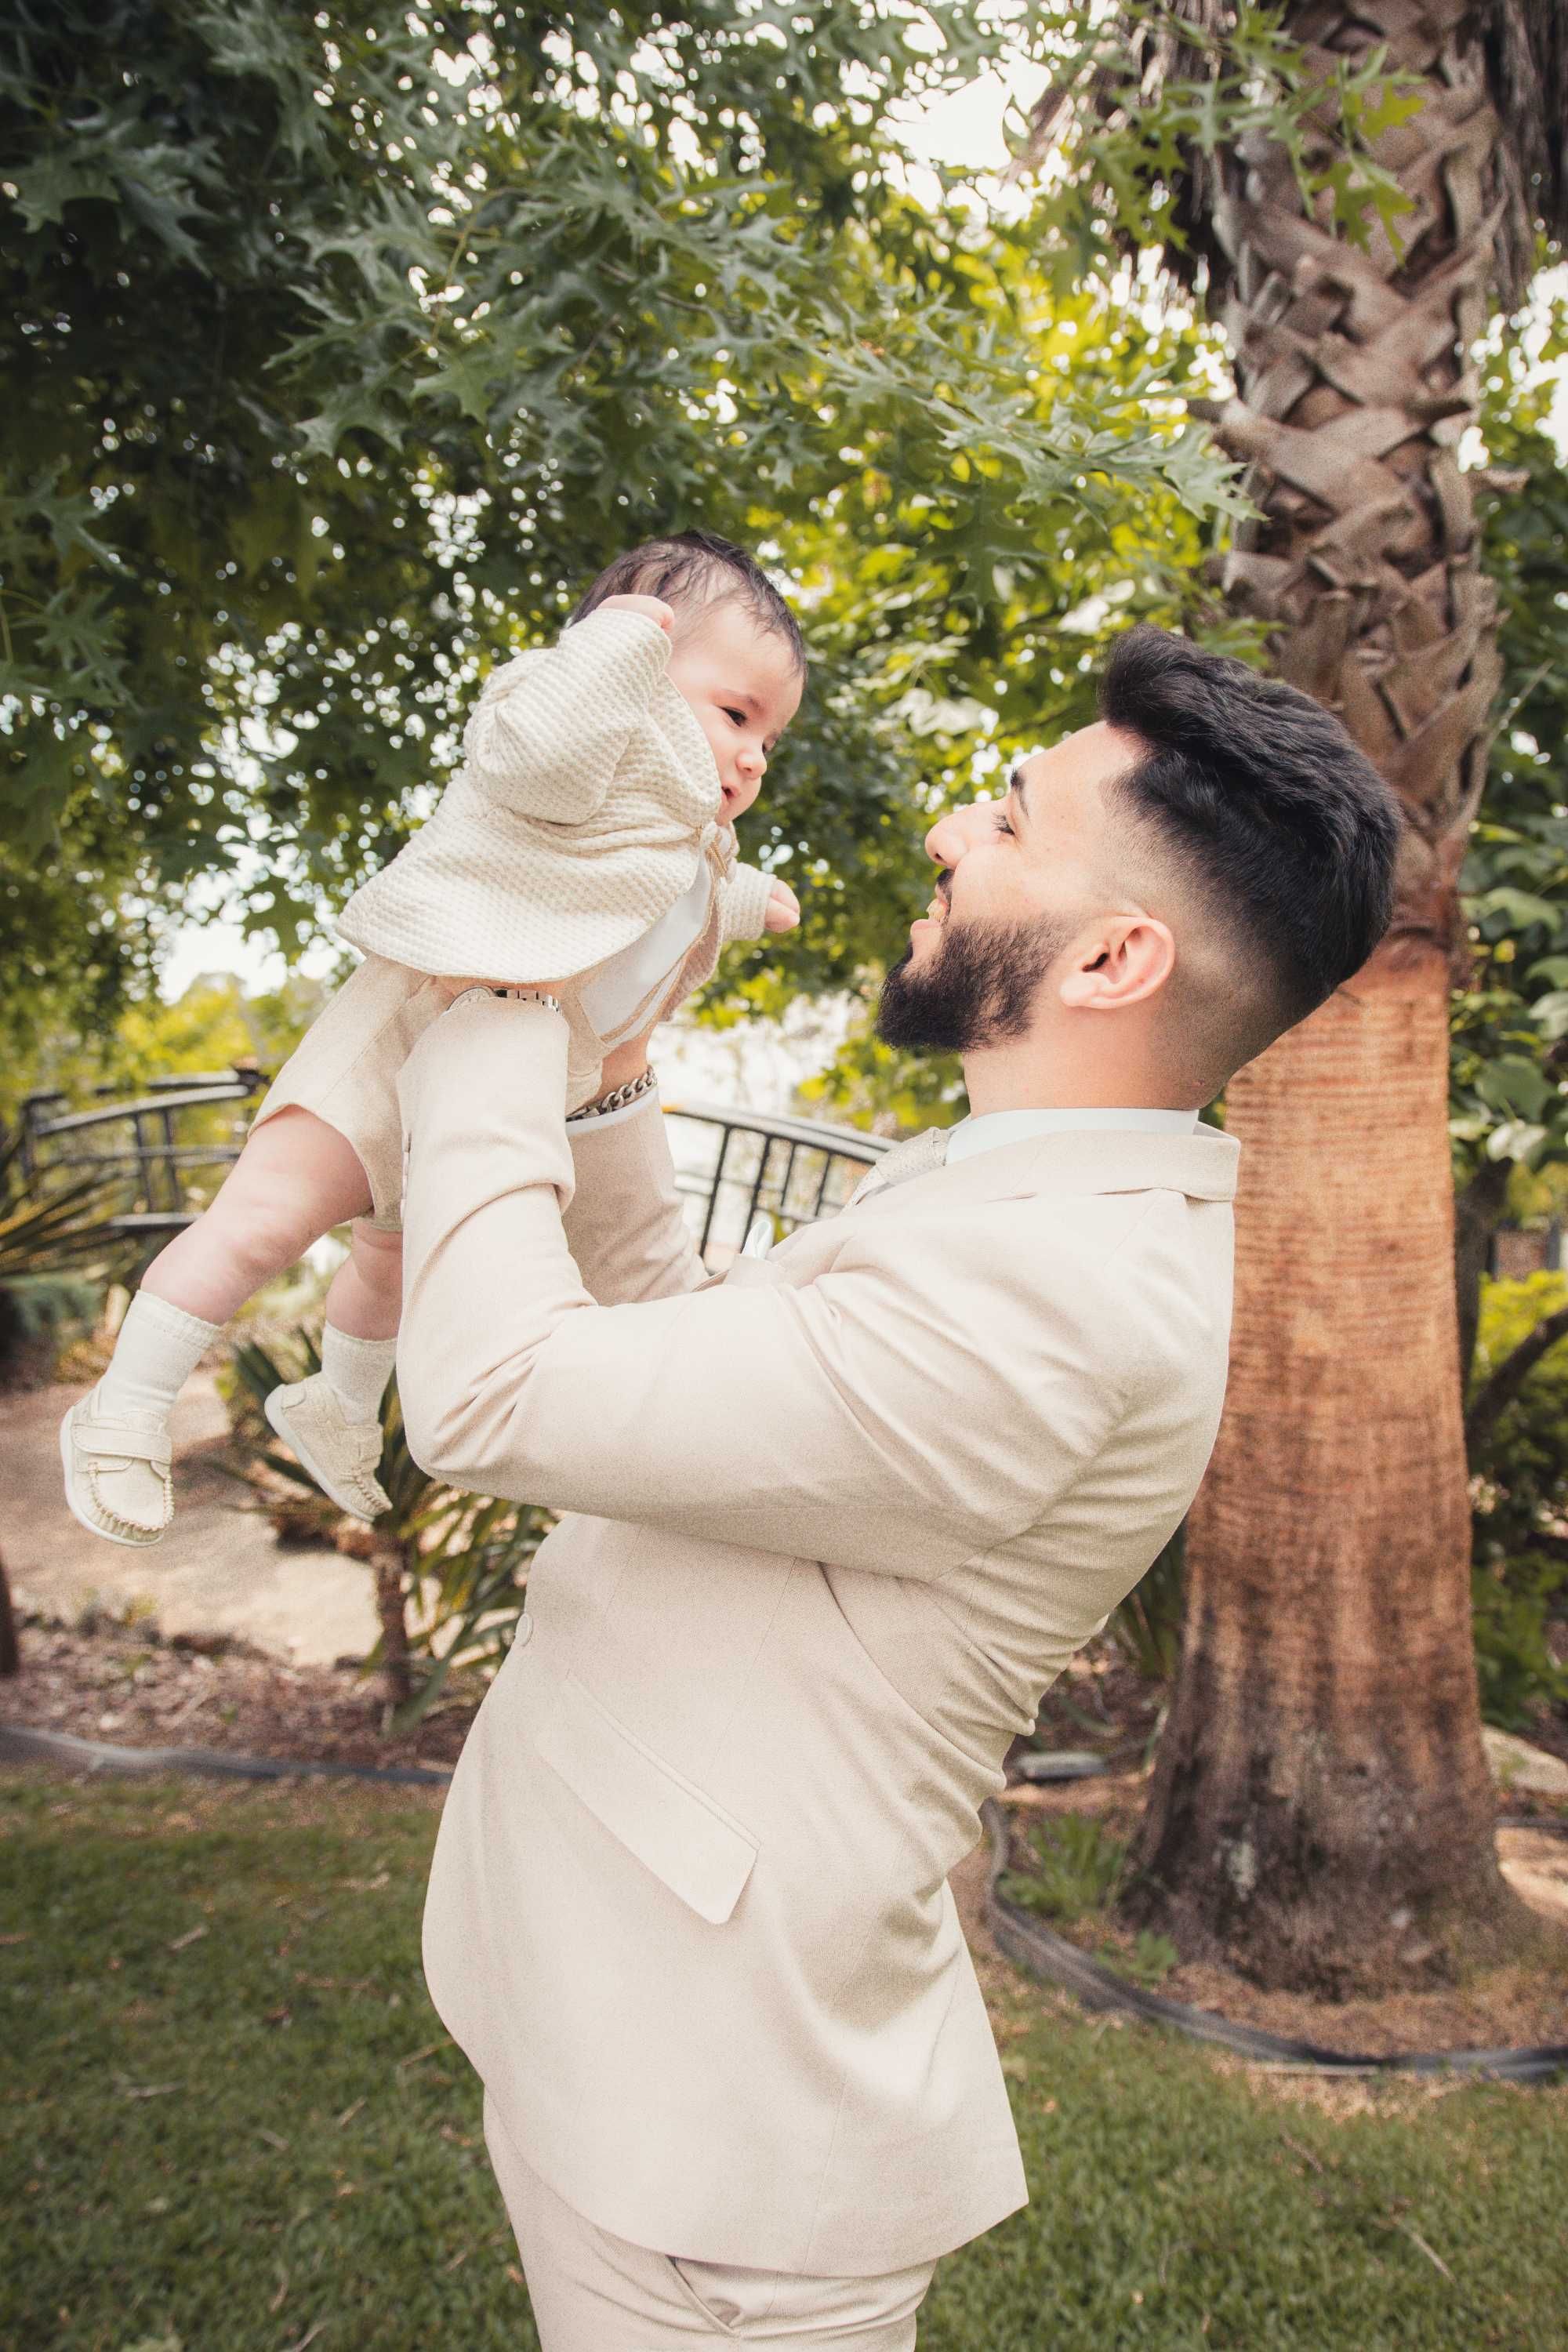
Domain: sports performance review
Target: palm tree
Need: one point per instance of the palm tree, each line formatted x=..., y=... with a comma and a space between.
x=1320, y=1810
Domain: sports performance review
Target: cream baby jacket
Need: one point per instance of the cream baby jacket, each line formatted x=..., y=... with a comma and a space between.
x=587, y=799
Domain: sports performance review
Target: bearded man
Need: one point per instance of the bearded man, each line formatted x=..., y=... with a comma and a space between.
x=834, y=1521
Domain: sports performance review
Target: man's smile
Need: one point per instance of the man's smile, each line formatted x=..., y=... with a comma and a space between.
x=937, y=911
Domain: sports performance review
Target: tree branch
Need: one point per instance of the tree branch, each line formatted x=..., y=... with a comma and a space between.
x=1503, y=1385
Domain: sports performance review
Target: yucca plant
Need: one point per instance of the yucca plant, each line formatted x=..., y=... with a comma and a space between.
x=44, y=1239
x=1147, y=1626
x=449, y=1567
x=49, y=1229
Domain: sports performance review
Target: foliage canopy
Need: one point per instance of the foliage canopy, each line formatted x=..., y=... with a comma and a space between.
x=343, y=346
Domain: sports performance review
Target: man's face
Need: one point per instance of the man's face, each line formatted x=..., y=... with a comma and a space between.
x=1020, y=878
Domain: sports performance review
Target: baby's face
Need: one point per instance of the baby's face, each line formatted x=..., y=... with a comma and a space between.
x=743, y=683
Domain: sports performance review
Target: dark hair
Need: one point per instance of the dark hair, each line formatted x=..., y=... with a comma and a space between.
x=1283, y=823
x=693, y=567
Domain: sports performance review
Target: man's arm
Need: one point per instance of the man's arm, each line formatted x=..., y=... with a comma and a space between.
x=887, y=1417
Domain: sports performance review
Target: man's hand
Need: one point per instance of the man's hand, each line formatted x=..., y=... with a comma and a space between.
x=782, y=912
x=652, y=608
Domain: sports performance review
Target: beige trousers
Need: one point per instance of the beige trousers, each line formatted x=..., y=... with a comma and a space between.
x=592, y=2292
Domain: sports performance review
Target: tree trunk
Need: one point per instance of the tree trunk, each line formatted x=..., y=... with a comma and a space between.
x=10, y=1648
x=386, y=1561
x=1321, y=1812
x=1476, y=1215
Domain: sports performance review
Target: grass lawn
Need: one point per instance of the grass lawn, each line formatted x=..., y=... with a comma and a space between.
x=229, y=2130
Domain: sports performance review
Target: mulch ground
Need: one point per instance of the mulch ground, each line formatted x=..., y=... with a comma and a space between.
x=130, y=1686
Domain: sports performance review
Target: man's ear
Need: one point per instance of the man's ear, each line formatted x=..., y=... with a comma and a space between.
x=1125, y=961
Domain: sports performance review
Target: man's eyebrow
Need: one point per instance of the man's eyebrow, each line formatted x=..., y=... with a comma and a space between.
x=1019, y=790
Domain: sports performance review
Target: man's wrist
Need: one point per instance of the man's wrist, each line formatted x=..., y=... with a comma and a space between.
x=613, y=1100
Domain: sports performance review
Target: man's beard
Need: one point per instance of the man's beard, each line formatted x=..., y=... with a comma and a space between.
x=978, y=989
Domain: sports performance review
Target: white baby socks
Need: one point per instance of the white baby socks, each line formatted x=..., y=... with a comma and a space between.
x=158, y=1348
x=357, y=1372
x=114, y=1442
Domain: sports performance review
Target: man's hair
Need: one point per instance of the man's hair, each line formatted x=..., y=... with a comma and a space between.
x=692, y=568
x=1280, y=830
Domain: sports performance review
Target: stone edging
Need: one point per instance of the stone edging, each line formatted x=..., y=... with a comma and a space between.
x=18, y=1740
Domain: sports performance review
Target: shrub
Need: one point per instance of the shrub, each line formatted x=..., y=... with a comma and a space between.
x=1077, y=1868
x=1520, y=1497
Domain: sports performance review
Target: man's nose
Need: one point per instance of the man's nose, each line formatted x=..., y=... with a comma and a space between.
x=944, y=844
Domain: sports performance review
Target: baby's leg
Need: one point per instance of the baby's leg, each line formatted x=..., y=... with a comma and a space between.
x=359, y=1344
x=295, y=1178
x=366, y=1296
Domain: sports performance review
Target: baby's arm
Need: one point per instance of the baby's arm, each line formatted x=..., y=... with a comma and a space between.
x=755, y=903
x=550, y=726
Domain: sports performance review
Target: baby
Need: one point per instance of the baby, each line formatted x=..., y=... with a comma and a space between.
x=588, y=836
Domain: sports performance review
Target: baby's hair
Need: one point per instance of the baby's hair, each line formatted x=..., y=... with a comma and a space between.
x=690, y=569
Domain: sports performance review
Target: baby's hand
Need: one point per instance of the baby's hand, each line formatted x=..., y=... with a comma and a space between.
x=652, y=608
x=783, y=910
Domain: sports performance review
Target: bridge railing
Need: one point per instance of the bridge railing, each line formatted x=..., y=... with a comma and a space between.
x=138, y=1147
x=735, y=1165
x=732, y=1165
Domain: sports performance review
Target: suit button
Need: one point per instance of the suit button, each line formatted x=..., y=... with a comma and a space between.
x=524, y=1629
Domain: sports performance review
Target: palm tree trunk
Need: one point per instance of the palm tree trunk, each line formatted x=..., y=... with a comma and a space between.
x=1320, y=1810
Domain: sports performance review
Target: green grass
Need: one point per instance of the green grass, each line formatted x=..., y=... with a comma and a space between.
x=1172, y=2205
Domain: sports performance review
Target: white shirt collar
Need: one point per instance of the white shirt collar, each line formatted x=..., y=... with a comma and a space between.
x=993, y=1127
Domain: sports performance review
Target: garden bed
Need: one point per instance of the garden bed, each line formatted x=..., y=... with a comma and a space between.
x=1505, y=2006
x=125, y=1684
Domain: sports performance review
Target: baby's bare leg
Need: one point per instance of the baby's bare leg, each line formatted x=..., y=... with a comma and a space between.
x=366, y=1296
x=296, y=1178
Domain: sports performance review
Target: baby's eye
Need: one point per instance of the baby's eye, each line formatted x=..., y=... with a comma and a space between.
x=738, y=716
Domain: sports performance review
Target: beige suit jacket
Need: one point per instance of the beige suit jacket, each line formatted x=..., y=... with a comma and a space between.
x=836, y=1520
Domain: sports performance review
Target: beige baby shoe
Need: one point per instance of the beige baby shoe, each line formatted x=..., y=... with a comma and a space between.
x=341, y=1455
x=117, y=1472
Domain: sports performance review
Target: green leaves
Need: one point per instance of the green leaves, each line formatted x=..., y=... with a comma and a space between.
x=346, y=345
x=1509, y=1028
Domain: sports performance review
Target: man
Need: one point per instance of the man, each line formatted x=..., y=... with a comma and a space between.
x=837, y=1519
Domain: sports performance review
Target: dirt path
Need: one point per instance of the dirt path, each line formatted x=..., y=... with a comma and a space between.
x=219, y=1570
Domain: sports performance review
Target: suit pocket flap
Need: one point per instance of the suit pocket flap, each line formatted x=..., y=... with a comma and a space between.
x=699, y=1849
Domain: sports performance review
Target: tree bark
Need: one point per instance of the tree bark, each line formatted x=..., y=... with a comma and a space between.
x=386, y=1561
x=1321, y=1814
x=1476, y=1215
x=10, y=1648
